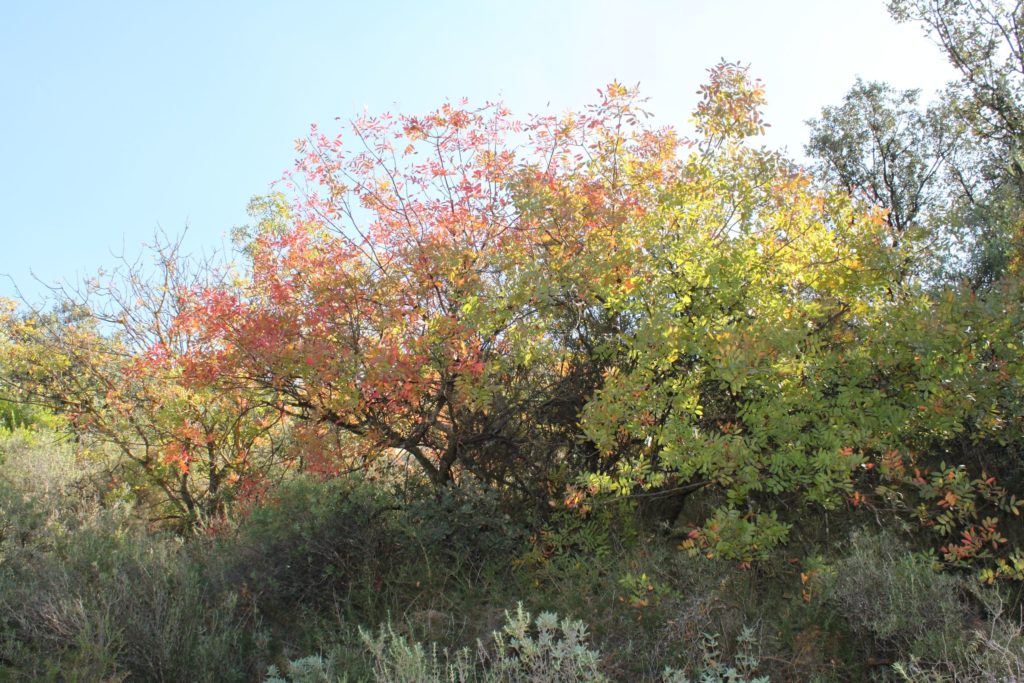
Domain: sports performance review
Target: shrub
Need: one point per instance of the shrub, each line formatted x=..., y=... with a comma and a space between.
x=92, y=595
x=548, y=650
x=317, y=542
x=396, y=660
x=541, y=650
x=714, y=670
x=39, y=461
x=899, y=602
x=311, y=669
x=467, y=528
x=352, y=545
x=995, y=650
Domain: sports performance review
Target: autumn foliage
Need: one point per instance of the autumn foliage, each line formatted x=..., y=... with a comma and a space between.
x=566, y=308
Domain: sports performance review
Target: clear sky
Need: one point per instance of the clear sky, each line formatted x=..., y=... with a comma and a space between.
x=118, y=117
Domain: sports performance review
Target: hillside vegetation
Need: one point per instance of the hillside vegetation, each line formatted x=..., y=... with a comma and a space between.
x=562, y=398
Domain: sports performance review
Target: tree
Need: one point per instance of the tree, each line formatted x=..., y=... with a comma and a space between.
x=748, y=290
x=14, y=411
x=430, y=292
x=582, y=301
x=769, y=366
x=377, y=310
x=984, y=41
x=110, y=358
x=882, y=148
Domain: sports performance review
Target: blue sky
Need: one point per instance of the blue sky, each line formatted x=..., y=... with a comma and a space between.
x=119, y=117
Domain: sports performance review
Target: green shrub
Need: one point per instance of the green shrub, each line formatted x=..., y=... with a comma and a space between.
x=645, y=602
x=995, y=652
x=525, y=650
x=397, y=660
x=334, y=543
x=897, y=601
x=466, y=530
x=548, y=650
x=90, y=594
x=39, y=461
x=357, y=549
x=15, y=415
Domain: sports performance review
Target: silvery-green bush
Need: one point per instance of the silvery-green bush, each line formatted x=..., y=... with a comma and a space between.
x=542, y=650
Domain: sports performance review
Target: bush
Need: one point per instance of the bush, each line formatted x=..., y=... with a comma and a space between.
x=396, y=660
x=543, y=650
x=897, y=600
x=995, y=652
x=353, y=546
x=525, y=650
x=89, y=593
x=467, y=529
x=312, y=669
x=713, y=668
x=643, y=599
x=312, y=542
x=39, y=461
